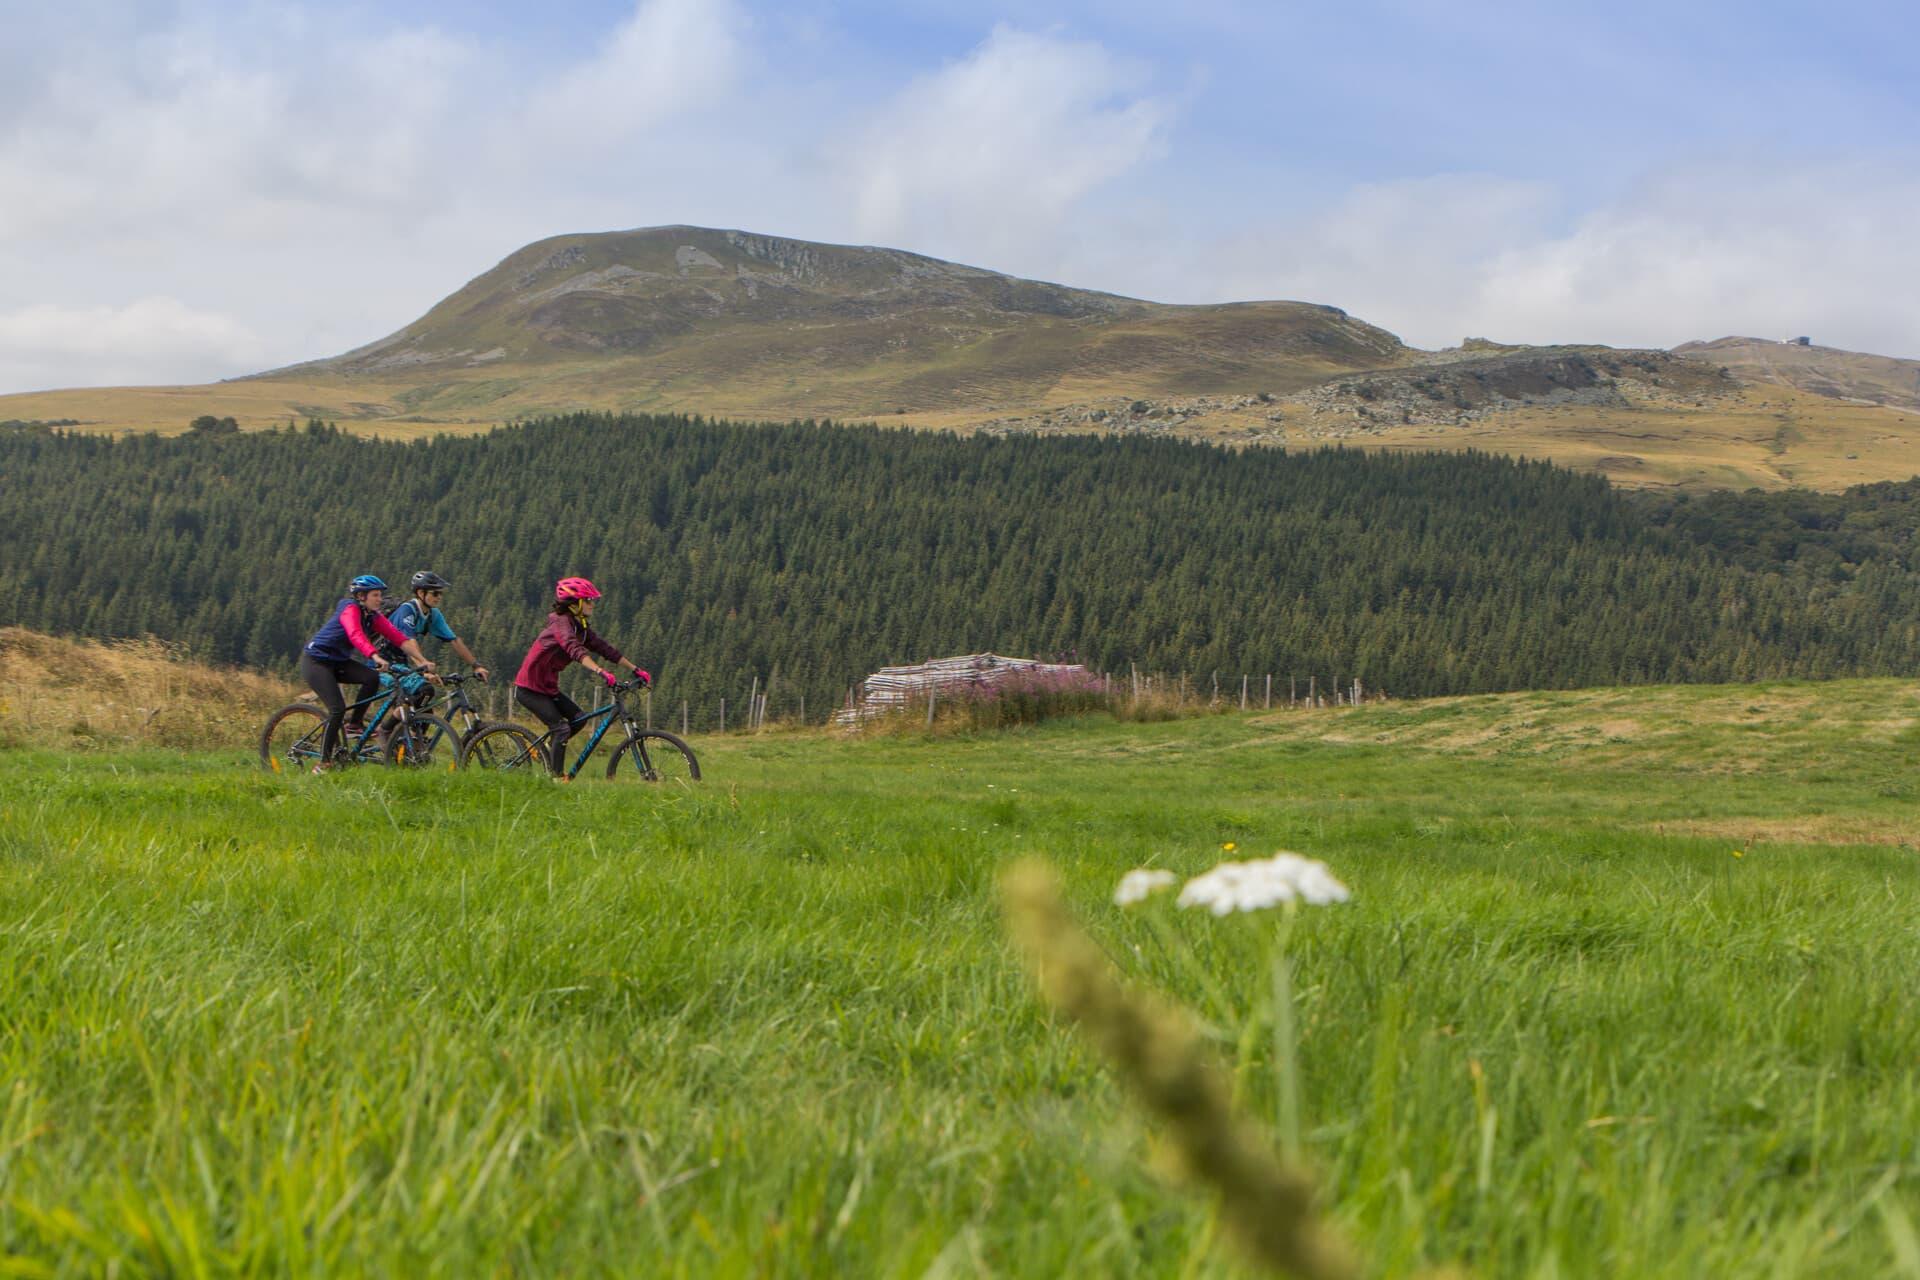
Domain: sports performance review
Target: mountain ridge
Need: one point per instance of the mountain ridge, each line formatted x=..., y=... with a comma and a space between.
x=746, y=325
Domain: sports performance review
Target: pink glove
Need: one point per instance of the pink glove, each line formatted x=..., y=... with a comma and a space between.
x=610, y=678
x=645, y=680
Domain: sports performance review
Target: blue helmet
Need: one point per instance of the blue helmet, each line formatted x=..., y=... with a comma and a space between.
x=365, y=582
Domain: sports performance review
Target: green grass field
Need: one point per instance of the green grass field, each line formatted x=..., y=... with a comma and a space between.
x=466, y=1025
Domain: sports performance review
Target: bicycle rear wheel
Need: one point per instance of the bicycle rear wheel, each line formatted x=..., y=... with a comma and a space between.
x=502, y=746
x=291, y=741
x=424, y=741
x=655, y=756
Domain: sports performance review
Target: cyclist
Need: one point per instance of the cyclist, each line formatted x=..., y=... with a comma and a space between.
x=420, y=617
x=566, y=639
x=342, y=652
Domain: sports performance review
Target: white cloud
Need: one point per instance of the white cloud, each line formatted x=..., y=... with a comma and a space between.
x=149, y=340
x=227, y=187
x=992, y=154
x=1717, y=248
x=669, y=58
x=1768, y=247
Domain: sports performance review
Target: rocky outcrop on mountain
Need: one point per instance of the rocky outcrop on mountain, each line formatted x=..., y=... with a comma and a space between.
x=1824, y=371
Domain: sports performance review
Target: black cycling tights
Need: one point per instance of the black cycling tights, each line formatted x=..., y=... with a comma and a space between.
x=327, y=679
x=559, y=713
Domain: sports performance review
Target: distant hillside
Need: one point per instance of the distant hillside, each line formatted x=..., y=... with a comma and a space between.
x=815, y=555
x=807, y=557
x=1823, y=371
x=736, y=323
x=740, y=325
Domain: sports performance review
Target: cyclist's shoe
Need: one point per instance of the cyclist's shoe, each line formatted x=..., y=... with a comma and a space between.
x=560, y=777
x=322, y=769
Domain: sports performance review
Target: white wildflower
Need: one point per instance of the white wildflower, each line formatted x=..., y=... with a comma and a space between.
x=1267, y=882
x=1140, y=884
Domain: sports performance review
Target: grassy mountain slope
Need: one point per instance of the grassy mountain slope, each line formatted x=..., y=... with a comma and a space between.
x=735, y=324
x=1823, y=371
x=753, y=325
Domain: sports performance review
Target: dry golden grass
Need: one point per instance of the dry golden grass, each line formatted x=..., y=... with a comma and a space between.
x=57, y=692
x=1767, y=437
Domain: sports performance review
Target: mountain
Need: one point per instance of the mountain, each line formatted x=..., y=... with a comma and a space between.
x=742, y=325
x=754, y=325
x=1823, y=371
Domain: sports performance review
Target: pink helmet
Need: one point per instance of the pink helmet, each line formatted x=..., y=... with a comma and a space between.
x=575, y=589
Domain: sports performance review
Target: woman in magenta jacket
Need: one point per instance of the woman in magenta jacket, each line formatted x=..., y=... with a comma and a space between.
x=566, y=639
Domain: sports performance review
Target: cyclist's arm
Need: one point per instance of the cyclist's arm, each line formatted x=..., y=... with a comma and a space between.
x=401, y=641
x=357, y=636
x=466, y=656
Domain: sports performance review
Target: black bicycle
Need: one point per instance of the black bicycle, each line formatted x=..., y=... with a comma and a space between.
x=650, y=755
x=418, y=738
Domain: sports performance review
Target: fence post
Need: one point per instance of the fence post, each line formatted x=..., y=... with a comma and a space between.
x=803, y=711
x=933, y=695
x=1312, y=696
x=723, y=715
x=649, y=708
x=1268, y=705
x=753, y=704
x=685, y=729
x=1243, y=691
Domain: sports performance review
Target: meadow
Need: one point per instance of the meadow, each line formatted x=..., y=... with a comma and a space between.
x=1624, y=988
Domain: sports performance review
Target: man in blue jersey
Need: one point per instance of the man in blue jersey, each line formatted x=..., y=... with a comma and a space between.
x=420, y=617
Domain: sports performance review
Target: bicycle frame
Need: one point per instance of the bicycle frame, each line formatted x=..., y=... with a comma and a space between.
x=454, y=702
x=380, y=703
x=387, y=699
x=604, y=713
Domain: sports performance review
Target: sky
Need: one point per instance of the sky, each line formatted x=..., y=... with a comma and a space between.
x=195, y=189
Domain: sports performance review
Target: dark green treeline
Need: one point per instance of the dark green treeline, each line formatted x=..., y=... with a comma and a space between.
x=816, y=553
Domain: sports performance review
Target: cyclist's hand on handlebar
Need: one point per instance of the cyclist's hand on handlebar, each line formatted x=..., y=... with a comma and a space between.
x=644, y=680
x=427, y=668
x=380, y=663
x=609, y=677
x=480, y=674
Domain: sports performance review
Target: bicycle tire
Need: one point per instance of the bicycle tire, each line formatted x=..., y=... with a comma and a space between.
x=423, y=742
x=297, y=750
x=501, y=745
x=657, y=756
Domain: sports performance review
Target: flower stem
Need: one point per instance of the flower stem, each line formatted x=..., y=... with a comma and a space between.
x=1286, y=1065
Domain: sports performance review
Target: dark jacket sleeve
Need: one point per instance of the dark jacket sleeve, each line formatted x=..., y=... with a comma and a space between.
x=601, y=647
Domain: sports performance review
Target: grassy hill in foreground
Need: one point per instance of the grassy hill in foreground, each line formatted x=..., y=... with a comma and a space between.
x=689, y=319
x=1623, y=989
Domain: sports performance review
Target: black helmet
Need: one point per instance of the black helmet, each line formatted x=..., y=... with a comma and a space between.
x=428, y=580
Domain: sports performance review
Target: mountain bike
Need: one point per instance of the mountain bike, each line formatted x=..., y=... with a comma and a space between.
x=293, y=734
x=454, y=707
x=650, y=755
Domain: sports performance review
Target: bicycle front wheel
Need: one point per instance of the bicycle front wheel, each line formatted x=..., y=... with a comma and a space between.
x=501, y=746
x=655, y=756
x=291, y=741
x=422, y=742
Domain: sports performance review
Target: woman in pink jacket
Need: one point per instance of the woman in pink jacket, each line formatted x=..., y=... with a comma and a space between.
x=566, y=639
x=343, y=652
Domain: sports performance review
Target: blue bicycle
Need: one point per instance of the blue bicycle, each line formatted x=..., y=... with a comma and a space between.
x=649, y=755
x=416, y=738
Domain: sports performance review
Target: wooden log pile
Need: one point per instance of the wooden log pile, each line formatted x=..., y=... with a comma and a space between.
x=894, y=688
